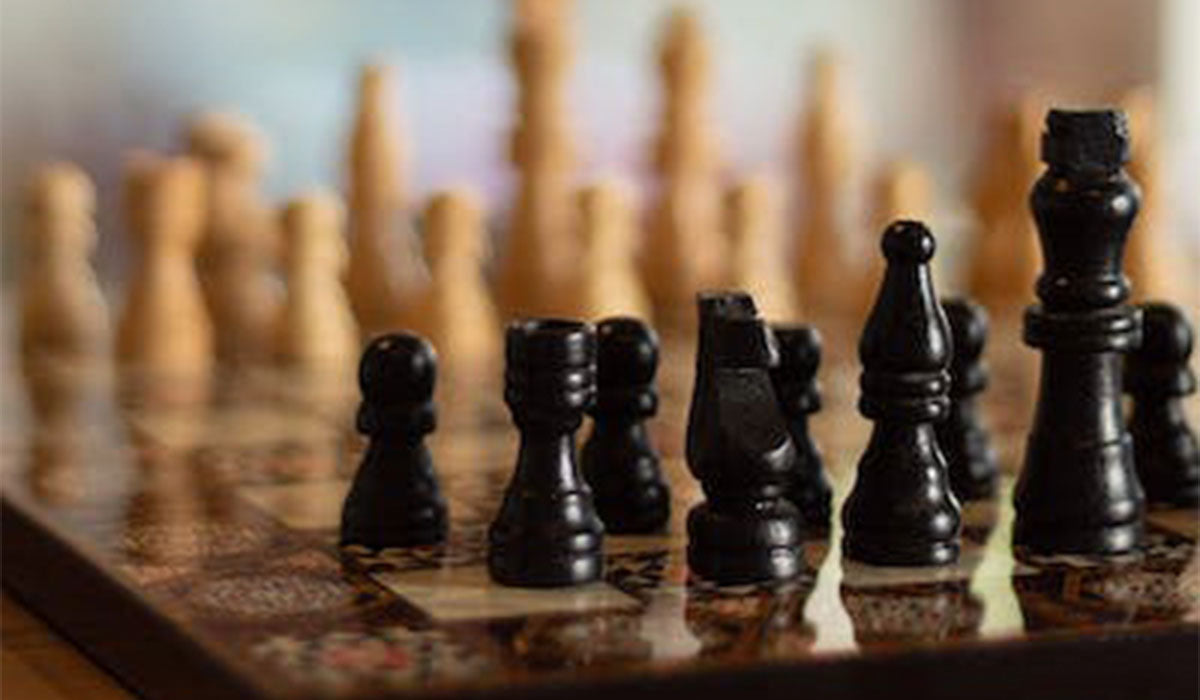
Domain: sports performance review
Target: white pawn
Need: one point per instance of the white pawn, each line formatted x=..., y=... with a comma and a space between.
x=165, y=327
x=608, y=284
x=753, y=218
x=456, y=311
x=316, y=328
x=63, y=311
x=239, y=249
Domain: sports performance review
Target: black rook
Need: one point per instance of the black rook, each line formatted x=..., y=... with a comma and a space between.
x=1078, y=491
x=547, y=532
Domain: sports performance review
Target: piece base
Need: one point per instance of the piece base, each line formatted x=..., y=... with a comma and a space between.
x=1113, y=540
x=542, y=570
x=889, y=553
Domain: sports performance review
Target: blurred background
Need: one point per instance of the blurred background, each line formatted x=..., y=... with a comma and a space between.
x=86, y=81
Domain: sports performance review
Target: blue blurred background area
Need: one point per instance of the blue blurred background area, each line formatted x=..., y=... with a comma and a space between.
x=86, y=81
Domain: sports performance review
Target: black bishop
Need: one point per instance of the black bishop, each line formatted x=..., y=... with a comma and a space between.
x=902, y=511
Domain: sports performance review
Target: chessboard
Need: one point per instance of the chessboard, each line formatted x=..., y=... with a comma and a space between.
x=188, y=542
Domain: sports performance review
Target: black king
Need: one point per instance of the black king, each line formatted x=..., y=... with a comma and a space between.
x=1078, y=491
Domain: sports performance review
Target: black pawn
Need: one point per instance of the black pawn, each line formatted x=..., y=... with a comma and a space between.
x=740, y=450
x=547, y=532
x=1158, y=377
x=964, y=442
x=902, y=511
x=619, y=463
x=395, y=500
x=795, y=382
x=1078, y=492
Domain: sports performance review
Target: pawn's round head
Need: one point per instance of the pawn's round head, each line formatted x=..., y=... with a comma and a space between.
x=626, y=352
x=396, y=368
x=908, y=242
x=968, y=327
x=226, y=140
x=1166, y=333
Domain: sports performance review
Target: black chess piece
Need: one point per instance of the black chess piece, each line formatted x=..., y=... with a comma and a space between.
x=395, y=500
x=619, y=463
x=1078, y=491
x=902, y=510
x=964, y=442
x=740, y=450
x=1157, y=376
x=547, y=532
x=795, y=382
x=711, y=305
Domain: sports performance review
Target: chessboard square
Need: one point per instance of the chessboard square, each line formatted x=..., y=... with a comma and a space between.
x=857, y=574
x=1181, y=521
x=304, y=505
x=468, y=593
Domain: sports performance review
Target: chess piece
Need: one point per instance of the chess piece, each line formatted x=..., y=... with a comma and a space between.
x=165, y=327
x=316, y=328
x=1157, y=375
x=395, y=500
x=455, y=309
x=711, y=305
x=685, y=251
x=62, y=309
x=547, y=533
x=753, y=220
x=740, y=450
x=1004, y=261
x=539, y=249
x=903, y=191
x=239, y=247
x=618, y=460
x=825, y=164
x=901, y=511
x=795, y=382
x=608, y=281
x=1078, y=491
x=385, y=265
x=964, y=442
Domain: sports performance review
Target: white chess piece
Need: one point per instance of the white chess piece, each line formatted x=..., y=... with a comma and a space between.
x=62, y=309
x=456, y=311
x=608, y=283
x=316, y=328
x=754, y=221
x=165, y=325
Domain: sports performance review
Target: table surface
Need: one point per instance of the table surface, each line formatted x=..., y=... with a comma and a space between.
x=39, y=664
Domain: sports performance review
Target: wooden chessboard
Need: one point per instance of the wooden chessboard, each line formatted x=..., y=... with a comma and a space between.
x=190, y=547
